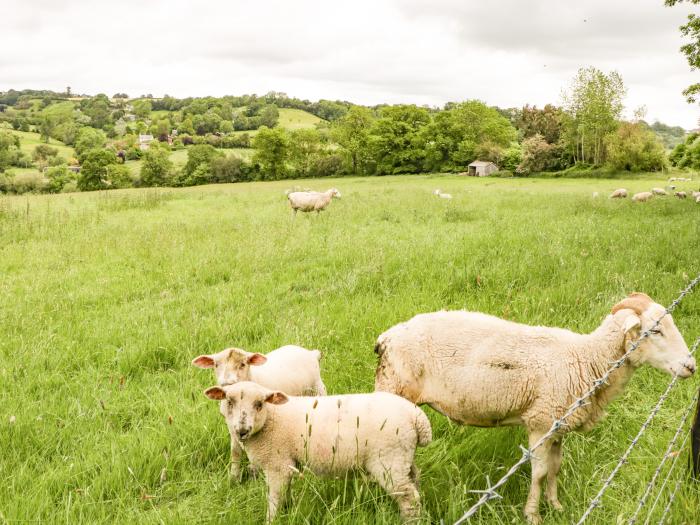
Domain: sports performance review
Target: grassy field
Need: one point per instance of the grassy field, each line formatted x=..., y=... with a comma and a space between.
x=179, y=157
x=106, y=297
x=297, y=119
x=30, y=140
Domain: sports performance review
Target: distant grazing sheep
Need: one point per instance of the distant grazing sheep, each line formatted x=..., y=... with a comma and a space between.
x=442, y=195
x=659, y=191
x=681, y=194
x=311, y=200
x=695, y=194
x=620, y=193
x=377, y=432
x=697, y=199
x=481, y=370
x=291, y=368
x=595, y=194
x=642, y=197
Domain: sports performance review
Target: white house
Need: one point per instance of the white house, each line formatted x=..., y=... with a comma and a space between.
x=145, y=141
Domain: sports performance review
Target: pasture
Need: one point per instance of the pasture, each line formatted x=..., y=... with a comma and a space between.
x=106, y=297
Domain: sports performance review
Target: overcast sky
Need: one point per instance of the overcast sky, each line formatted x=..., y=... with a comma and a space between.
x=504, y=52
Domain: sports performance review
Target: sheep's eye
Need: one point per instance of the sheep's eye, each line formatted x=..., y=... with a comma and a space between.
x=241, y=366
x=231, y=402
x=656, y=331
x=257, y=405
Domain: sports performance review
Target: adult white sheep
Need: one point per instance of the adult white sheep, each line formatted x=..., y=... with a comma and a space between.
x=642, y=197
x=281, y=434
x=290, y=368
x=484, y=371
x=620, y=193
x=659, y=191
x=442, y=195
x=311, y=200
x=681, y=194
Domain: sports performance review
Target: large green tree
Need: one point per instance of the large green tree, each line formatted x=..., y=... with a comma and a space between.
x=634, y=147
x=395, y=145
x=305, y=148
x=88, y=139
x=272, y=153
x=94, y=169
x=691, y=50
x=594, y=103
x=9, y=149
x=157, y=167
x=351, y=133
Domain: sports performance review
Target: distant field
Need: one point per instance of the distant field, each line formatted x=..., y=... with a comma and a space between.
x=107, y=296
x=179, y=157
x=30, y=140
x=297, y=119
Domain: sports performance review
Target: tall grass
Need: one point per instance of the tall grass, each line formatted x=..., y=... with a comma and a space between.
x=106, y=298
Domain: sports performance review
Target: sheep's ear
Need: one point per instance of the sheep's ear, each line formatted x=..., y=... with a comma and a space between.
x=632, y=325
x=203, y=361
x=277, y=398
x=215, y=392
x=256, y=359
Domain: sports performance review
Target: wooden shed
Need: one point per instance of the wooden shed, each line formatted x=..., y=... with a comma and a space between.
x=482, y=168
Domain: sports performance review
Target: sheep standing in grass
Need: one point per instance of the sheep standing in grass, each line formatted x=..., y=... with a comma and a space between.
x=439, y=193
x=480, y=370
x=681, y=194
x=620, y=193
x=281, y=434
x=659, y=191
x=292, y=369
x=642, y=197
x=311, y=200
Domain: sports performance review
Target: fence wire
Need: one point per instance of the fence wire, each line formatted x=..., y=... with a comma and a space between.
x=490, y=493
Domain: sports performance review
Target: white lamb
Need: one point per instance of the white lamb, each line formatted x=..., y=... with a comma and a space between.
x=484, y=371
x=642, y=197
x=439, y=193
x=311, y=200
x=620, y=193
x=292, y=369
x=282, y=434
x=681, y=194
x=659, y=191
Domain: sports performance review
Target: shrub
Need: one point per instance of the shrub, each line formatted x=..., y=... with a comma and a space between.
x=157, y=167
x=329, y=166
x=29, y=183
x=44, y=152
x=505, y=174
x=59, y=177
x=93, y=172
x=118, y=176
x=229, y=169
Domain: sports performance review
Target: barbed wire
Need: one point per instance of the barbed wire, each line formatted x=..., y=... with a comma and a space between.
x=490, y=492
x=657, y=472
x=666, y=479
x=662, y=520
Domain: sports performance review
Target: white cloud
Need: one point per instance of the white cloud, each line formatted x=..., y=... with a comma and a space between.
x=505, y=52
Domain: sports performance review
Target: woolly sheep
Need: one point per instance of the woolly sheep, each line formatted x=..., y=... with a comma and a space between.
x=481, y=370
x=291, y=368
x=282, y=434
x=642, y=197
x=681, y=194
x=659, y=191
x=695, y=194
x=697, y=199
x=311, y=200
x=620, y=193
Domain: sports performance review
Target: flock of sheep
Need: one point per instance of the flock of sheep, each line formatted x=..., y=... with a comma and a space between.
x=644, y=196
x=474, y=368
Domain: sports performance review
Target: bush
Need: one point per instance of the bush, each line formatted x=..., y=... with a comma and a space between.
x=504, y=174
x=229, y=169
x=329, y=166
x=44, y=152
x=118, y=176
x=29, y=183
x=59, y=177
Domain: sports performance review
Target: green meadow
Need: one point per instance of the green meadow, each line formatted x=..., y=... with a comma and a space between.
x=105, y=298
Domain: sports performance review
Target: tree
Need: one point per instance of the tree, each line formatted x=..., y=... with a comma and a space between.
x=59, y=177
x=93, y=171
x=9, y=149
x=687, y=154
x=351, y=132
x=229, y=169
x=395, y=145
x=157, y=167
x=142, y=108
x=269, y=115
x=118, y=176
x=594, y=102
x=548, y=122
x=305, y=148
x=89, y=139
x=691, y=50
x=634, y=147
x=272, y=152
x=199, y=158
x=43, y=152
x=537, y=155
x=97, y=108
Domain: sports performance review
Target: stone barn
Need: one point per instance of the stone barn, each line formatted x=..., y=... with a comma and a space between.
x=482, y=168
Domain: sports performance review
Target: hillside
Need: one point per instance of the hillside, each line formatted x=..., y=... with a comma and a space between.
x=292, y=119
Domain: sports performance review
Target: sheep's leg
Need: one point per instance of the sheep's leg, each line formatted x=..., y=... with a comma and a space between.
x=236, y=453
x=277, y=485
x=540, y=466
x=399, y=483
x=555, y=454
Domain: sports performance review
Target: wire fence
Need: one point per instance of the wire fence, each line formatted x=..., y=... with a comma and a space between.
x=491, y=493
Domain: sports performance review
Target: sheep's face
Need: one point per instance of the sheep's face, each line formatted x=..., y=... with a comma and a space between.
x=231, y=365
x=664, y=349
x=335, y=193
x=245, y=406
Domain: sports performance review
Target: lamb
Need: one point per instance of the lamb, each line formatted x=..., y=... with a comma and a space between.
x=642, y=197
x=481, y=370
x=442, y=195
x=311, y=200
x=620, y=193
x=290, y=368
x=281, y=434
x=695, y=194
x=681, y=194
x=659, y=191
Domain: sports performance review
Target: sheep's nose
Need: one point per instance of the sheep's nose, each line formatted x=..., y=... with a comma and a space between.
x=243, y=433
x=690, y=365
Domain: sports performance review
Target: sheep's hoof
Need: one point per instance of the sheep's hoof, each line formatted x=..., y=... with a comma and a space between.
x=253, y=471
x=234, y=473
x=556, y=505
x=533, y=518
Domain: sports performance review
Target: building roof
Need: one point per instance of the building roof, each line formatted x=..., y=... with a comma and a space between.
x=145, y=138
x=478, y=163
